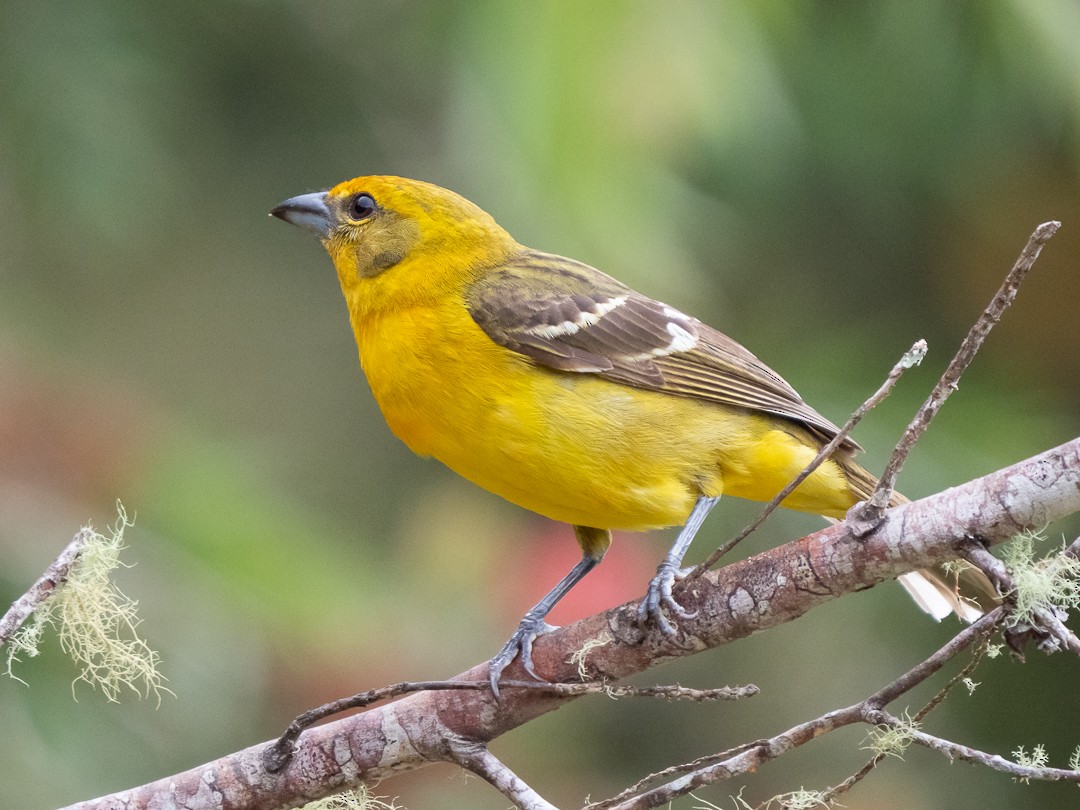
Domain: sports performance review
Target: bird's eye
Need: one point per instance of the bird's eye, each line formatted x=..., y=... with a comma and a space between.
x=361, y=206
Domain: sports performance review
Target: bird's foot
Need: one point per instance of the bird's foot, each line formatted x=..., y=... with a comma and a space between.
x=521, y=643
x=658, y=599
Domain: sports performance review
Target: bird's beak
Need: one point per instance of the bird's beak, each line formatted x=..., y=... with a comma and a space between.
x=309, y=211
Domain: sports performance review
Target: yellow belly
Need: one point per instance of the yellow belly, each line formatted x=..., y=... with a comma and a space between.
x=575, y=447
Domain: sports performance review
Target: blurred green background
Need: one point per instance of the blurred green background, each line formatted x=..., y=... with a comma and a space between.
x=827, y=182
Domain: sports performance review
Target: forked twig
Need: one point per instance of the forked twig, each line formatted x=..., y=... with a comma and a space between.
x=867, y=516
x=912, y=357
x=750, y=757
x=933, y=703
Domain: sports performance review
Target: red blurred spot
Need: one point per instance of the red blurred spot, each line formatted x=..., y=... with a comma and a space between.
x=531, y=565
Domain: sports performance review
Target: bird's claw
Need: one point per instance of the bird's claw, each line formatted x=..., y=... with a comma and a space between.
x=659, y=598
x=521, y=643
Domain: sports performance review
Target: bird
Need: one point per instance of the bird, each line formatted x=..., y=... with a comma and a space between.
x=567, y=392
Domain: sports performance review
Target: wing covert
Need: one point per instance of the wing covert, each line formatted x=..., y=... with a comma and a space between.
x=570, y=317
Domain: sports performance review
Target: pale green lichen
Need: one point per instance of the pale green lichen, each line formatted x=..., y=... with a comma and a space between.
x=1036, y=759
x=1050, y=583
x=579, y=658
x=96, y=623
x=801, y=799
x=951, y=567
x=892, y=740
x=358, y=799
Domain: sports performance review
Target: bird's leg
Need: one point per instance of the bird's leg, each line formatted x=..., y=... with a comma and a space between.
x=594, y=543
x=669, y=571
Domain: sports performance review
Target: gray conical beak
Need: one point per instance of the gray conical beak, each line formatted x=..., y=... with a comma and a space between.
x=309, y=211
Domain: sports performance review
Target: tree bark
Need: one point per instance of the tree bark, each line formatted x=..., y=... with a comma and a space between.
x=755, y=594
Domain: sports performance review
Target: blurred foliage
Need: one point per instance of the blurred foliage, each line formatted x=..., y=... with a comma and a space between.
x=826, y=182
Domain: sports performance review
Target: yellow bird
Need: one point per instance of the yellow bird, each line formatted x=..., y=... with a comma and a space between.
x=561, y=389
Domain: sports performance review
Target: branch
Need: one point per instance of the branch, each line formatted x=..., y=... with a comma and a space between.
x=755, y=594
x=872, y=510
x=934, y=702
x=963, y=752
x=475, y=757
x=751, y=757
x=892, y=734
x=1043, y=622
x=56, y=574
x=281, y=751
x=912, y=357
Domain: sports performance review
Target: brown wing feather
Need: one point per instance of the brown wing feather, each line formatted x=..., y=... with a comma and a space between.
x=568, y=316
x=722, y=370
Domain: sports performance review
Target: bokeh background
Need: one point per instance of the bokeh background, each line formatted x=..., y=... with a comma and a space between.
x=827, y=182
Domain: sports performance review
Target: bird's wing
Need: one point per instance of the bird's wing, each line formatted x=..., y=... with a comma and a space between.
x=568, y=316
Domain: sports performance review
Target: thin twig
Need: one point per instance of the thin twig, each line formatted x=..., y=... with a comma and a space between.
x=870, y=513
x=1048, y=620
x=56, y=574
x=843, y=787
x=965, y=672
x=674, y=770
x=279, y=752
x=753, y=756
x=663, y=691
x=956, y=751
x=912, y=357
x=1073, y=549
x=916, y=675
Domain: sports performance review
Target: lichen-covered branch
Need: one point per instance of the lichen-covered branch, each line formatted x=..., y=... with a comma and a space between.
x=95, y=621
x=755, y=594
x=890, y=736
x=966, y=753
x=56, y=574
x=752, y=756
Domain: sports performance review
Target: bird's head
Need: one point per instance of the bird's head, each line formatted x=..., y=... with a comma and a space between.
x=408, y=234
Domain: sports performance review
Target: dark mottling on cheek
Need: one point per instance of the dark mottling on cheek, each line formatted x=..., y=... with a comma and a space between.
x=388, y=258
